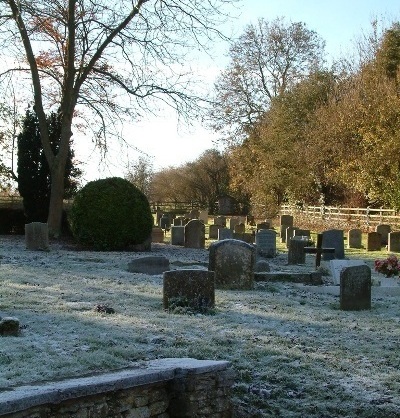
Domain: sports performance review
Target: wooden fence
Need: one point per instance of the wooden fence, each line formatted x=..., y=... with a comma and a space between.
x=364, y=216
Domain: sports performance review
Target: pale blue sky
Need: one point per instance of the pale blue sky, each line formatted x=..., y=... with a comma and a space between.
x=338, y=22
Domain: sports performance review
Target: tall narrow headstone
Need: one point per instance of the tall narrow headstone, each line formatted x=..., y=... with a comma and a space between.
x=384, y=230
x=374, y=241
x=195, y=234
x=233, y=264
x=333, y=238
x=178, y=235
x=355, y=288
x=394, y=242
x=354, y=238
x=37, y=236
x=266, y=243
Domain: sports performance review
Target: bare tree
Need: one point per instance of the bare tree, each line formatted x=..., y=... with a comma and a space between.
x=100, y=61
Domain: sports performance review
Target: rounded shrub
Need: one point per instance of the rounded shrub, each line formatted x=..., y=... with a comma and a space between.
x=110, y=214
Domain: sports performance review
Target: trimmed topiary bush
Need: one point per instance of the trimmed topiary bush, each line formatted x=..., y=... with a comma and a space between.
x=110, y=214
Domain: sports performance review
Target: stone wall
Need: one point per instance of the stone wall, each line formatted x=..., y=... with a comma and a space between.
x=160, y=389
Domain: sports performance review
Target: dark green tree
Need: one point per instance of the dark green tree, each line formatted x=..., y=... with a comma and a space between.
x=34, y=181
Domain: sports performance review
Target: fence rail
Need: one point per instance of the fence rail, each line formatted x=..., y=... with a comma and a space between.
x=366, y=216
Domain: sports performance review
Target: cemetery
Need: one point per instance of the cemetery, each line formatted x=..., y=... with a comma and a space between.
x=288, y=321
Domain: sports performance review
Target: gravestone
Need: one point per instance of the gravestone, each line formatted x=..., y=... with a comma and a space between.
x=220, y=220
x=232, y=222
x=318, y=250
x=263, y=225
x=203, y=216
x=224, y=233
x=9, y=326
x=374, y=241
x=355, y=288
x=195, y=234
x=177, y=222
x=286, y=220
x=37, y=236
x=262, y=265
x=152, y=264
x=296, y=253
x=245, y=236
x=158, y=214
x=333, y=238
x=213, y=231
x=165, y=222
x=384, y=230
x=157, y=234
x=189, y=288
x=266, y=243
x=239, y=228
x=178, y=235
x=233, y=264
x=354, y=238
x=302, y=233
x=337, y=266
x=289, y=234
x=394, y=242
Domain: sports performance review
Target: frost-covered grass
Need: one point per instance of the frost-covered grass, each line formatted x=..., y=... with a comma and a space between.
x=295, y=353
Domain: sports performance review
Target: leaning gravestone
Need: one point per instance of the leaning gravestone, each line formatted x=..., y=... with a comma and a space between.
x=195, y=234
x=384, y=230
x=178, y=235
x=152, y=264
x=189, y=288
x=355, y=288
x=333, y=238
x=337, y=266
x=374, y=241
x=224, y=233
x=266, y=243
x=37, y=236
x=354, y=238
x=233, y=264
x=296, y=253
x=394, y=242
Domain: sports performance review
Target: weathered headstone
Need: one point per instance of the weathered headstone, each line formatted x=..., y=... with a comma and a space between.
x=153, y=264
x=189, y=288
x=157, y=234
x=337, y=266
x=374, y=241
x=262, y=265
x=289, y=234
x=266, y=243
x=203, y=216
x=177, y=235
x=296, y=253
x=195, y=234
x=233, y=264
x=333, y=238
x=394, y=242
x=213, y=231
x=354, y=238
x=224, y=233
x=384, y=230
x=239, y=228
x=355, y=288
x=9, y=326
x=37, y=236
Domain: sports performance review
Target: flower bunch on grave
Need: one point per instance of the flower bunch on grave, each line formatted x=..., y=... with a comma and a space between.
x=389, y=266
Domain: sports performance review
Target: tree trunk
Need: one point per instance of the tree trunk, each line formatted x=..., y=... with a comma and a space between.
x=56, y=200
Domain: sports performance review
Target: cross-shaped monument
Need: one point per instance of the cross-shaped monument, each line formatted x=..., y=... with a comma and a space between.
x=318, y=250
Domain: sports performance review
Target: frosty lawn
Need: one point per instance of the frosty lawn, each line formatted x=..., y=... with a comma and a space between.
x=295, y=353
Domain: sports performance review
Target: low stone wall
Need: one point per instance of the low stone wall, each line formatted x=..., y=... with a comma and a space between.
x=163, y=388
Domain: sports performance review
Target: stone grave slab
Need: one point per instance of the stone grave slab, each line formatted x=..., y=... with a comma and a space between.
x=354, y=238
x=394, y=242
x=195, y=234
x=178, y=235
x=333, y=238
x=374, y=241
x=336, y=266
x=37, y=236
x=266, y=243
x=286, y=220
x=384, y=230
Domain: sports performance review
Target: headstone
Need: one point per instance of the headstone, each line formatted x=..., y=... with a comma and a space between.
x=158, y=215
x=296, y=253
x=289, y=234
x=37, y=236
x=203, y=216
x=153, y=264
x=374, y=241
x=220, y=220
x=239, y=228
x=224, y=233
x=189, y=288
x=157, y=234
x=333, y=238
x=178, y=235
x=354, y=238
x=195, y=234
x=245, y=236
x=355, y=288
x=9, y=326
x=384, y=230
x=262, y=265
x=286, y=220
x=165, y=222
x=232, y=222
x=318, y=250
x=177, y=222
x=394, y=242
x=263, y=225
x=233, y=264
x=337, y=266
x=282, y=232
x=266, y=243
x=302, y=232
x=213, y=231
